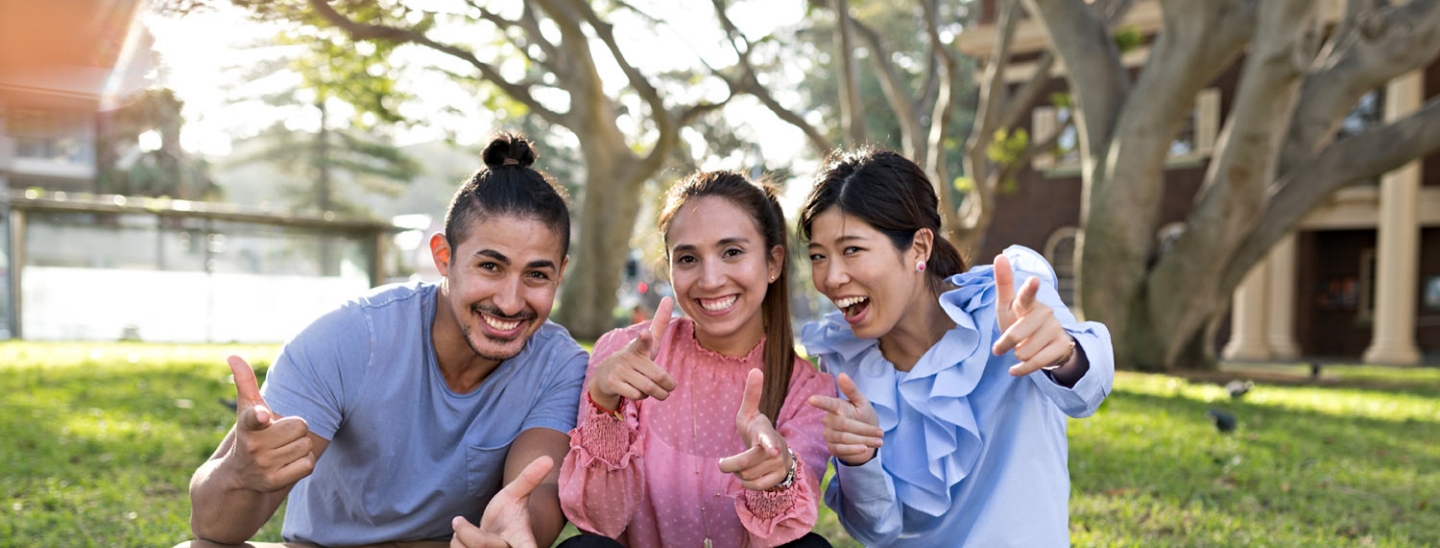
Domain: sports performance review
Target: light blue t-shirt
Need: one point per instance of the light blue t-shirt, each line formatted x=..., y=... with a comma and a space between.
x=406, y=453
x=972, y=456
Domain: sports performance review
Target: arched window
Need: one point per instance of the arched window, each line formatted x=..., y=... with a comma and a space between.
x=1060, y=250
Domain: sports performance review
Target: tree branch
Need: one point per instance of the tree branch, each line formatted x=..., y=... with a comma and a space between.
x=1095, y=75
x=1368, y=154
x=364, y=31
x=852, y=115
x=895, y=91
x=1402, y=38
x=747, y=83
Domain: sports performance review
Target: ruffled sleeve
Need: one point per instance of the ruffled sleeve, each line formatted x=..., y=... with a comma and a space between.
x=602, y=480
x=776, y=517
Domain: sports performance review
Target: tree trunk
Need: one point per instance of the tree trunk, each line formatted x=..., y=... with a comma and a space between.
x=597, y=258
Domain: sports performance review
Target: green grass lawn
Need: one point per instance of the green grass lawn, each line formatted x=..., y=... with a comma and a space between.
x=97, y=443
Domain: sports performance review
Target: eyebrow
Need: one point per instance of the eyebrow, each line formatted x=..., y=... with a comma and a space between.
x=498, y=256
x=722, y=243
x=840, y=240
x=502, y=259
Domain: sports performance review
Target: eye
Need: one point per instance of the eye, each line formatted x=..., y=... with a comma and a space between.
x=732, y=252
x=489, y=266
x=851, y=250
x=538, y=275
x=816, y=257
x=684, y=259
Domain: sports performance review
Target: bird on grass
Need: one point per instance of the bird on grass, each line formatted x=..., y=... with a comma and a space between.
x=1224, y=422
x=1238, y=388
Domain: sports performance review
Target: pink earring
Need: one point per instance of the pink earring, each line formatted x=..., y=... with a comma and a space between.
x=919, y=266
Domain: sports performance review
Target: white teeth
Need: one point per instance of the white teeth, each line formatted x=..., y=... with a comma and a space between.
x=848, y=302
x=718, y=305
x=499, y=325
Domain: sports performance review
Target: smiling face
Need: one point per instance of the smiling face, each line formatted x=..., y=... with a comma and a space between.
x=861, y=271
x=721, y=269
x=500, y=283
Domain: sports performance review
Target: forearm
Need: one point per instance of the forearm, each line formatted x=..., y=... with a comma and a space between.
x=546, y=519
x=220, y=511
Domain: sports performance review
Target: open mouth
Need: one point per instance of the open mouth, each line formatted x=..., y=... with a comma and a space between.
x=498, y=327
x=853, y=307
x=718, y=306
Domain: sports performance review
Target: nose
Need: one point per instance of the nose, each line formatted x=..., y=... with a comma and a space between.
x=712, y=275
x=508, y=297
x=833, y=277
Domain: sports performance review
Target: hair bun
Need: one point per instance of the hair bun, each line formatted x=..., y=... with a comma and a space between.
x=509, y=148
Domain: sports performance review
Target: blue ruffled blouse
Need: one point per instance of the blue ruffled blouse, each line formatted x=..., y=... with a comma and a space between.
x=972, y=455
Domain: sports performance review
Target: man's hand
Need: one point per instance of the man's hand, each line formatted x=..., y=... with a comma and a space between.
x=766, y=462
x=506, y=522
x=632, y=373
x=1027, y=326
x=852, y=429
x=270, y=453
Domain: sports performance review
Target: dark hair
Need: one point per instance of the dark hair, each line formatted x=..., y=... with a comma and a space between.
x=507, y=185
x=760, y=200
x=890, y=193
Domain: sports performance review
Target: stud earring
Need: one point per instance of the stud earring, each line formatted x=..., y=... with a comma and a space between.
x=919, y=266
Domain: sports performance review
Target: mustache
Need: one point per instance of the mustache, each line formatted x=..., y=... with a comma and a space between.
x=523, y=315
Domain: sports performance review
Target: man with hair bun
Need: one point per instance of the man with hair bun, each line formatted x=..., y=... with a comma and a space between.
x=419, y=414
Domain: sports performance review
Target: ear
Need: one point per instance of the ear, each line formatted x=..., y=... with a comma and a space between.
x=560, y=276
x=777, y=261
x=922, y=244
x=440, y=252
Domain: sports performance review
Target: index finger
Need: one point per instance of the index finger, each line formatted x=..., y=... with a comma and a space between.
x=247, y=390
x=1004, y=282
x=1028, y=292
x=467, y=535
x=851, y=392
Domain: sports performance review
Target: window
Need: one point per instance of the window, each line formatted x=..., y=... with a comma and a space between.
x=62, y=137
x=1060, y=250
x=1195, y=140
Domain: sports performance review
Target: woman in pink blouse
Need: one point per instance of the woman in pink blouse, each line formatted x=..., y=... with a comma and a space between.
x=675, y=445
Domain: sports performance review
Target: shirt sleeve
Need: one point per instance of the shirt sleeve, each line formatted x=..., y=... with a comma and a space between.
x=777, y=517
x=320, y=371
x=555, y=406
x=863, y=498
x=602, y=479
x=1092, y=338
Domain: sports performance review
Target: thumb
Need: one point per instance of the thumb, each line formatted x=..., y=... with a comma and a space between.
x=529, y=478
x=659, y=324
x=750, y=400
x=765, y=435
x=251, y=409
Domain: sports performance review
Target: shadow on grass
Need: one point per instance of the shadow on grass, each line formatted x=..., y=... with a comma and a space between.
x=1150, y=469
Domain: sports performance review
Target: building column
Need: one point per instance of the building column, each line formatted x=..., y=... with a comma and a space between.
x=1398, y=250
x=1280, y=313
x=1247, y=317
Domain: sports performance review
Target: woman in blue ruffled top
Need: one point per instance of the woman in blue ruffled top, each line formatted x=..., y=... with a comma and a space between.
x=956, y=383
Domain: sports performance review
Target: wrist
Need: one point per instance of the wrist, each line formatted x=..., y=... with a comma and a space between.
x=789, y=480
x=610, y=405
x=860, y=460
